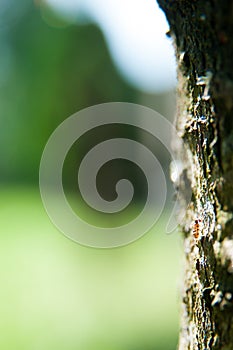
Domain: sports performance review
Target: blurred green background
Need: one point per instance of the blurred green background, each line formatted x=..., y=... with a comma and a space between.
x=55, y=294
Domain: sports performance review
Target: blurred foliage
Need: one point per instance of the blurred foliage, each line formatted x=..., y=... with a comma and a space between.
x=51, y=74
x=56, y=294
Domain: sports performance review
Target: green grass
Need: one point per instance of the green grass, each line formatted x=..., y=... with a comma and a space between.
x=58, y=295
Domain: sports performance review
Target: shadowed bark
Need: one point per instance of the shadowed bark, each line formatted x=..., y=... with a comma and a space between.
x=202, y=32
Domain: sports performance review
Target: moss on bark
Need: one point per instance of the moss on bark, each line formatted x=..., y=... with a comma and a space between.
x=202, y=32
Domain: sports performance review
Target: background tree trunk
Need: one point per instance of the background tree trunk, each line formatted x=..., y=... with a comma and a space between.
x=202, y=32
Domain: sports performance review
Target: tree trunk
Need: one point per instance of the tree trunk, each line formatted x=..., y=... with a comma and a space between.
x=202, y=32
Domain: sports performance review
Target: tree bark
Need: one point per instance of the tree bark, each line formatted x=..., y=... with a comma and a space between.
x=202, y=32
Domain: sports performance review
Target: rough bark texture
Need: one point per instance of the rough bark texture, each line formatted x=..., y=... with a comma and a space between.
x=203, y=37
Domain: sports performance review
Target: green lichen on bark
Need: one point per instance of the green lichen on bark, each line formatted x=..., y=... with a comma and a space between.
x=202, y=32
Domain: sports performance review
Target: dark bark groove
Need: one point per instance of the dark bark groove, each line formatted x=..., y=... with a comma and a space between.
x=202, y=32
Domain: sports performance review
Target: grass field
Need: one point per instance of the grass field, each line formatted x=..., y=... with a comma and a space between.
x=58, y=295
